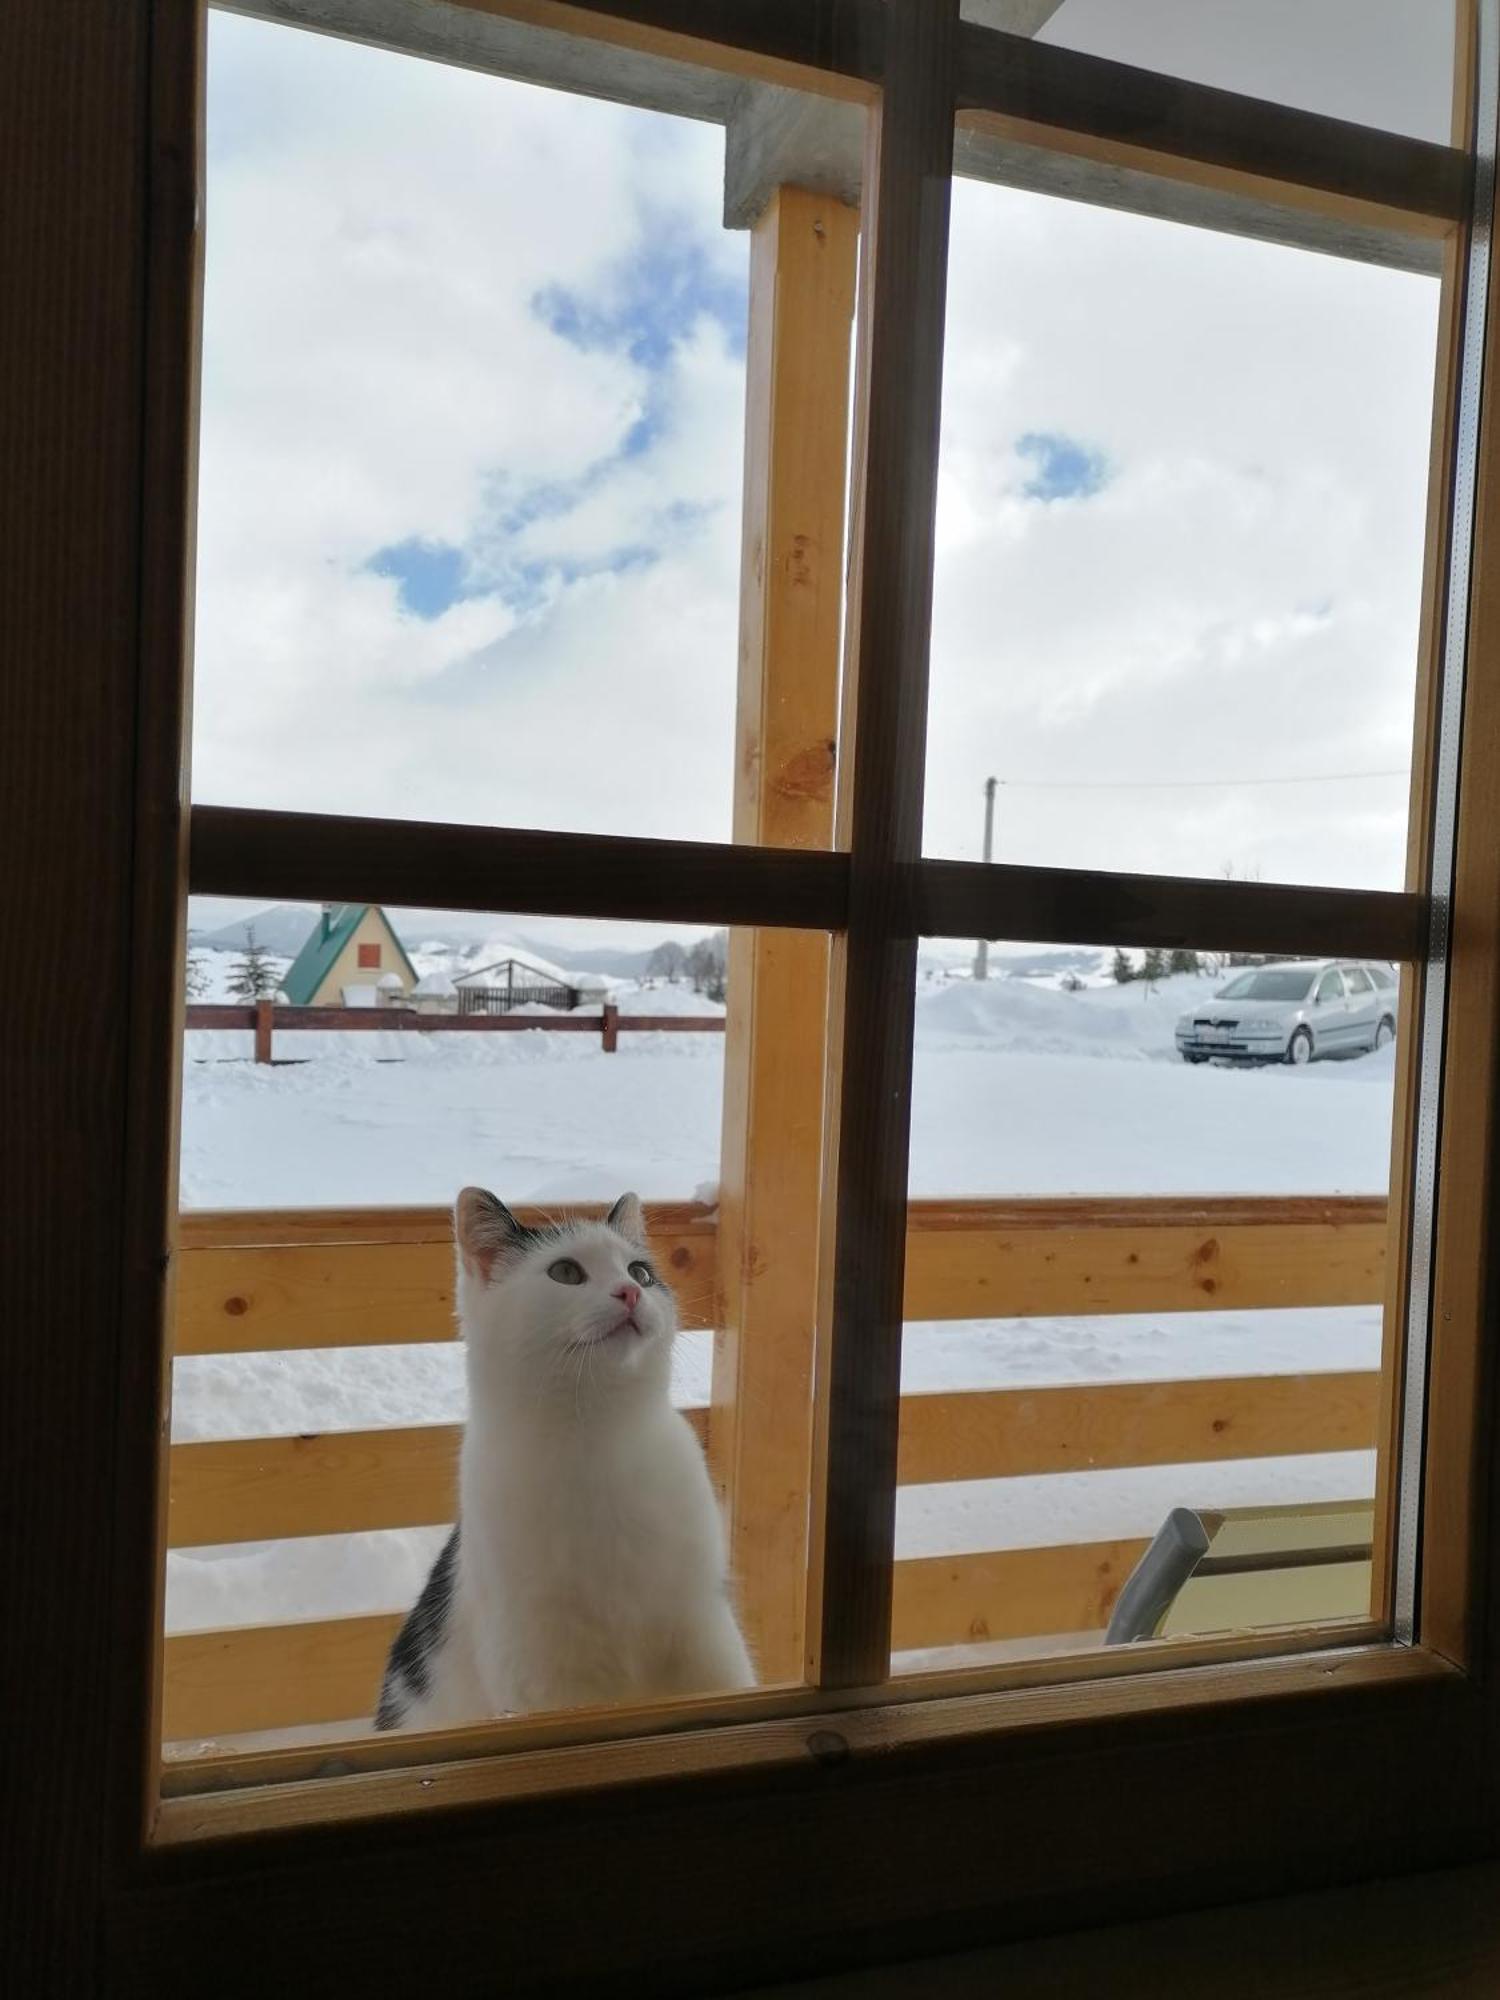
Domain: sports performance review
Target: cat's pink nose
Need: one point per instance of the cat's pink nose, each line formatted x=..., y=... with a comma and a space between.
x=629, y=1296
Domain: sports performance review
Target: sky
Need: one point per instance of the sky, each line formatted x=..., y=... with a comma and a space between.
x=471, y=466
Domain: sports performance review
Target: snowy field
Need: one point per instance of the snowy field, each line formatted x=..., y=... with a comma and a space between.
x=1020, y=1089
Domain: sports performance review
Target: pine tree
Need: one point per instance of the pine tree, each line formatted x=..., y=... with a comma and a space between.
x=1121, y=967
x=1182, y=960
x=196, y=976
x=254, y=977
x=1154, y=965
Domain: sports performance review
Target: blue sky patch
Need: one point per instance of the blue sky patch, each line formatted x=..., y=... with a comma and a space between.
x=430, y=576
x=1060, y=467
x=651, y=301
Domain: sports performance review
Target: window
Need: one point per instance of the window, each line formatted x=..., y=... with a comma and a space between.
x=1357, y=981
x=1330, y=987
x=1325, y=1732
x=369, y=956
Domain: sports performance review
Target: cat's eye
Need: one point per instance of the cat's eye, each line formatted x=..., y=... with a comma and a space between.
x=566, y=1271
x=642, y=1273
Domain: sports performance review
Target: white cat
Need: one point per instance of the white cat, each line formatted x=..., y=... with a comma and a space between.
x=588, y=1565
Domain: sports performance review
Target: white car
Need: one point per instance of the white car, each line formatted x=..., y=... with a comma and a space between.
x=1294, y=1012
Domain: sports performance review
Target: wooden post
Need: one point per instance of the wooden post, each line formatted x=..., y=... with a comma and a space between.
x=264, y=1010
x=610, y=1027
x=802, y=267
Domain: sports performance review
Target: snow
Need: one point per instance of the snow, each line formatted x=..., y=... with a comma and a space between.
x=1020, y=1088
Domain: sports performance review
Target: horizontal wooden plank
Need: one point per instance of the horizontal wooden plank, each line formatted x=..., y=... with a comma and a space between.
x=247, y=1297
x=627, y=51
x=420, y=864
x=1012, y=1266
x=1066, y=905
x=247, y=1677
x=1094, y=1427
x=251, y=1677
x=1068, y=90
x=250, y=1300
x=338, y=1278
x=1008, y=1594
x=266, y=1489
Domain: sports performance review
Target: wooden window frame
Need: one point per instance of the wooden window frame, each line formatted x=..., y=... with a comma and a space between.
x=775, y=1830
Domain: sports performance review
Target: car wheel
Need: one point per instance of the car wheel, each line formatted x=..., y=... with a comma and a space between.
x=1299, y=1049
x=1385, y=1033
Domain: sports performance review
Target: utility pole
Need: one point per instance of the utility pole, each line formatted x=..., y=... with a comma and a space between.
x=982, y=955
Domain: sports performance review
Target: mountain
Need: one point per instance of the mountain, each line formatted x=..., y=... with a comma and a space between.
x=283, y=929
x=615, y=964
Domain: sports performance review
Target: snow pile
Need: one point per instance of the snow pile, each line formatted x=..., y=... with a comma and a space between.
x=1024, y=1016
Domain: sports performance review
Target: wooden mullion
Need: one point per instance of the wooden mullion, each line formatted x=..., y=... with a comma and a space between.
x=873, y=985
x=421, y=864
x=1095, y=906
x=803, y=259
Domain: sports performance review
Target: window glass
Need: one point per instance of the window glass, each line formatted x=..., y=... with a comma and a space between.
x=318, y=1385
x=1331, y=986
x=1146, y=1233
x=1357, y=982
x=471, y=447
x=1179, y=570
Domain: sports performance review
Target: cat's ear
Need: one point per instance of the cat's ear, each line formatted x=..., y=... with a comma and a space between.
x=484, y=1229
x=626, y=1220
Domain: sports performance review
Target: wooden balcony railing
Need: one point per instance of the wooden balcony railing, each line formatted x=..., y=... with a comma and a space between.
x=253, y=1282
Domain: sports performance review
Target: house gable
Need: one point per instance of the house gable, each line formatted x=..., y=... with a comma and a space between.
x=318, y=973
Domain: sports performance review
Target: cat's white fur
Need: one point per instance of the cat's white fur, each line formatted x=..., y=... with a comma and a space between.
x=591, y=1563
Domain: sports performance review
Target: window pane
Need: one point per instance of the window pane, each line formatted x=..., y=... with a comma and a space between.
x=331, y=1114
x=472, y=435
x=1377, y=62
x=1144, y=1273
x=1181, y=523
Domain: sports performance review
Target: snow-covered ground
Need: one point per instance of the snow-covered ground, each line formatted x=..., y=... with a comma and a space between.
x=1020, y=1088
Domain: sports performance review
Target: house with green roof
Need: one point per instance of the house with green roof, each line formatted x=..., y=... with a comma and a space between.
x=352, y=958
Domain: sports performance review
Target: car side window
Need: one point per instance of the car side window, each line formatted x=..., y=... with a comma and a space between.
x=1357, y=980
x=1330, y=987
x=1383, y=979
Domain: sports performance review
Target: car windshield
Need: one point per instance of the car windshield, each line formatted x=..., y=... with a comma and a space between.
x=1269, y=982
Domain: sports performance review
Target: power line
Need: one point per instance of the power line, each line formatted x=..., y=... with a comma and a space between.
x=1187, y=784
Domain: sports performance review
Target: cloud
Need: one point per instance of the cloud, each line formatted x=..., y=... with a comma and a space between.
x=1240, y=596
x=471, y=447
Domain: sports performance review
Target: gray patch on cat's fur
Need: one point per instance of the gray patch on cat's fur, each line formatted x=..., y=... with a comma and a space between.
x=407, y=1674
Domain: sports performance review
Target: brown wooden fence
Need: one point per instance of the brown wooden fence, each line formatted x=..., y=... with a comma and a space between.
x=265, y=1019
x=257, y=1281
